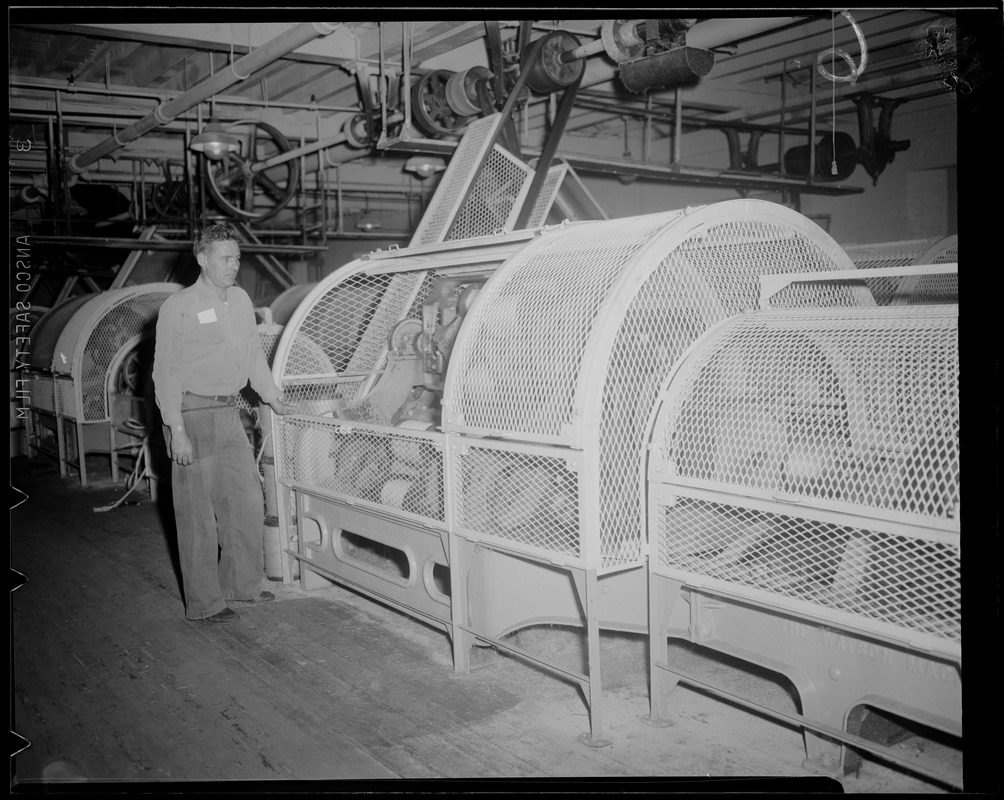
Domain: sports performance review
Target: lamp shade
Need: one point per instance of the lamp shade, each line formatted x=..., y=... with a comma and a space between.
x=214, y=142
x=424, y=166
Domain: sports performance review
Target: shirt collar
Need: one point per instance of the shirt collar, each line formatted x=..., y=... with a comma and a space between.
x=206, y=287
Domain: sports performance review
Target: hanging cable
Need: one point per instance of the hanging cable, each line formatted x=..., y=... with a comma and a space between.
x=833, y=96
x=855, y=69
x=140, y=471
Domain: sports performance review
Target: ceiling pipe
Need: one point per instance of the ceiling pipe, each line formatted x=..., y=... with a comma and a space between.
x=240, y=70
x=707, y=35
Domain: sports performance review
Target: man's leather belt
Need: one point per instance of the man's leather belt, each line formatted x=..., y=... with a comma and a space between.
x=226, y=399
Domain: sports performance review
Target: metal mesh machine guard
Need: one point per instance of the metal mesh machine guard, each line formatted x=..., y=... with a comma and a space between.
x=804, y=511
x=530, y=476
x=915, y=289
x=568, y=342
x=89, y=353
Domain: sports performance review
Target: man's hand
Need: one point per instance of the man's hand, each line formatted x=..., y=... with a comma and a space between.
x=179, y=446
x=281, y=408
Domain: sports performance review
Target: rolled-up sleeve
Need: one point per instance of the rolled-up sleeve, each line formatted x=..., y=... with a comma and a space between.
x=167, y=359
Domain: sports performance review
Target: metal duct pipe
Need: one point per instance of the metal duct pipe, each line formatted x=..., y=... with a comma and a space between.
x=707, y=34
x=240, y=70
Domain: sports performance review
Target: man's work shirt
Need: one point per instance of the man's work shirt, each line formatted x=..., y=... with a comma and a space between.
x=207, y=346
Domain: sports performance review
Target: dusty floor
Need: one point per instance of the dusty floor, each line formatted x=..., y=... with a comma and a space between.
x=522, y=722
x=707, y=737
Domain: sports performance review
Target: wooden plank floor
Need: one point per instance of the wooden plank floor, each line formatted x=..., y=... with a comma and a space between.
x=112, y=679
x=112, y=684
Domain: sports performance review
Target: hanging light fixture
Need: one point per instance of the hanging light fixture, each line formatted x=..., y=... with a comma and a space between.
x=424, y=166
x=214, y=142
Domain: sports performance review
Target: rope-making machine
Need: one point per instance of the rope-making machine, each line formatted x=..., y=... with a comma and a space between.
x=474, y=411
x=804, y=515
x=87, y=378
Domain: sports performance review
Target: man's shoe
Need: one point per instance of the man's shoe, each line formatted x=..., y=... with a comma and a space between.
x=226, y=615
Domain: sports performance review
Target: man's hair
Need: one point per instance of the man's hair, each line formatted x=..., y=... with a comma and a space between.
x=220, y=232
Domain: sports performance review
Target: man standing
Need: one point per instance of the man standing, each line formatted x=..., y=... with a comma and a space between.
x=207, y=349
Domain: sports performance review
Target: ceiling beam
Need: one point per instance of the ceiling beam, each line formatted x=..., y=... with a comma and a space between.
x=153, y=64
x=350, y=43
x=253, y=84
x=95, y=59
x=218, y=37
x=308, y=74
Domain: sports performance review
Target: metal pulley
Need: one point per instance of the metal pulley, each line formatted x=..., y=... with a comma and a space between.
x=357, y=132
x=433, y=113
x=462, y=90
x=620, y=39
x=555, y=66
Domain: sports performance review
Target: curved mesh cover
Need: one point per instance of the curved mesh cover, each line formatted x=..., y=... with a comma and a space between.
x=286, y=303
x=928, y=289
x=889, y=254
x=815, y=456
x=553, y=315
x=46, y=332
x=135, y=316
x=93, y=337
x=335, y=347
x=340, y=346
x=517, y=363
x=944, y=251
x=910, y=290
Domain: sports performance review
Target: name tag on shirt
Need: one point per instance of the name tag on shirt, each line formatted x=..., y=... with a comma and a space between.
x=209, y=315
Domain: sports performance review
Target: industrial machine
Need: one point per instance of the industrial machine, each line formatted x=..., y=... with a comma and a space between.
x=474, y=411
x=919, y=286
x=89, y=360
x=804, y=515
x=271, y=320
x=533, y=414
